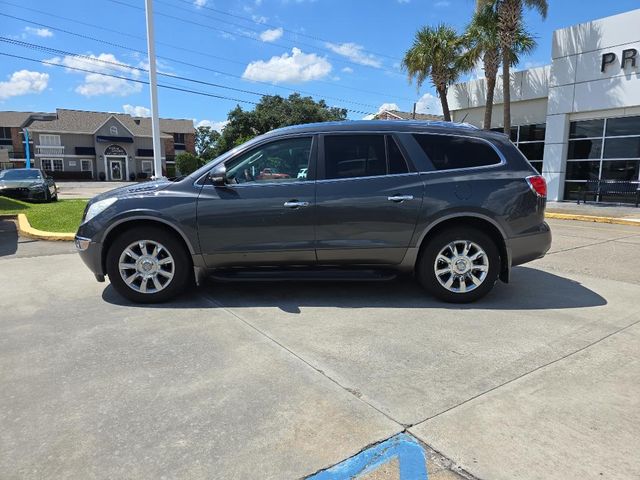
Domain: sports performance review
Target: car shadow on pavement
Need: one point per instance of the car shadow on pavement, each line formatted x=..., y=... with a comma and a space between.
x=529, y=289
x=8, y=237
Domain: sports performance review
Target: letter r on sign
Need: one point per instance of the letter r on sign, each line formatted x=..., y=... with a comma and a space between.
x=629, y=55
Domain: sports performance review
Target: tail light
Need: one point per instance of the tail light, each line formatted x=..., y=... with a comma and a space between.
x=538, y=185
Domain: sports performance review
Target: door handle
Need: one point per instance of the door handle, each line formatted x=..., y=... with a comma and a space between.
x=399, y=198
x=295, y=204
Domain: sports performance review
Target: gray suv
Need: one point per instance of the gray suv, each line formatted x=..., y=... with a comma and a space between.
x=453, y=205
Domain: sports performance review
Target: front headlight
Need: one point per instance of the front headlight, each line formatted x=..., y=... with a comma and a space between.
x=99, y=207
x=36, y=186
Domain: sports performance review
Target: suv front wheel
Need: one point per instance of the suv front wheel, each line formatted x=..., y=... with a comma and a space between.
x=148, y=265
x=459, y=265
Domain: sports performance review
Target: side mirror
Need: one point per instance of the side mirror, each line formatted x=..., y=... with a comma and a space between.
x=218, y=176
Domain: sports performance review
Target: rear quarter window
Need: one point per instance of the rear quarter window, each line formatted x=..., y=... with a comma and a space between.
x=450, y=152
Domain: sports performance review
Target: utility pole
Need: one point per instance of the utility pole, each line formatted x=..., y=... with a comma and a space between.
x=153, y=87
x=25, y=132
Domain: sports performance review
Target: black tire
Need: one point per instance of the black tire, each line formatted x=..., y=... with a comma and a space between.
x=54, y=198
x=181, y=266
x=47, y=196
x=426, y=267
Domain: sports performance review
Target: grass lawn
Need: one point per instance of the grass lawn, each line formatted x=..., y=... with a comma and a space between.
x=60, y=216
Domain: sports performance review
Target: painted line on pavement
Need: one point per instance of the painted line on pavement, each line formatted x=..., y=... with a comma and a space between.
x=403, y=447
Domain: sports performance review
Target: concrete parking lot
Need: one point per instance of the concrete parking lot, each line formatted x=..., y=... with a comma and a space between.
x=539, y=380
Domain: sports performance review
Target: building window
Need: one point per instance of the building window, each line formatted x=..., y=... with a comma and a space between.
x=178, y=141
x=113, y=130
x=530, y=141
x=86, y=166
x=602, y=149
x=147, y=167
x=50, y=140
x=52, y=165
x=5, y=136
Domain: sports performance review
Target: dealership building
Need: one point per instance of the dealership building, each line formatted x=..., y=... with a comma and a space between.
x=577, y=119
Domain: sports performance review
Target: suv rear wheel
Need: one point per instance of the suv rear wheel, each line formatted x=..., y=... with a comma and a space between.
x=148, y=265
x=459, y=265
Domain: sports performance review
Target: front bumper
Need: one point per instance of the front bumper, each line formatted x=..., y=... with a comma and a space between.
x=91, y=254
x=530, y=247
x=23, y=193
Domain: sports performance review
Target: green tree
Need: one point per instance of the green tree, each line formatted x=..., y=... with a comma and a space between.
x=274, y=112
x=206, y=139
x=436, y=53
x=510, y=22
x=187, y=163
x=482, y=37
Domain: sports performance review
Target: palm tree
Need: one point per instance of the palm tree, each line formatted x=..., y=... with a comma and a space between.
x=483, y=40
x=436, y=53
x=510, y=21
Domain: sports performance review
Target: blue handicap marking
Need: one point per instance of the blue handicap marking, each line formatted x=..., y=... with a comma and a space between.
x=410, y=455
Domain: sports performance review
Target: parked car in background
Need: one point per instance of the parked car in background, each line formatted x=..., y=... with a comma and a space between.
x=29, y=184
x=455, y=206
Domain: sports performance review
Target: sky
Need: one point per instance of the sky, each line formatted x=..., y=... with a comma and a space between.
x=347, y=52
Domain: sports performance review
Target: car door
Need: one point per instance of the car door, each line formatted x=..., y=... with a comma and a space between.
x=368, y=198
x=264, y=214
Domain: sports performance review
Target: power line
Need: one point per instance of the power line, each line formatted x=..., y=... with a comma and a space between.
x=250, y=37
x=220, y=72
x=135, y=80
x=265, y=24
x=167, y=86
x=119, y=65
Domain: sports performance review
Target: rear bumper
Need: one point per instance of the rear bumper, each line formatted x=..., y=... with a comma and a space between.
x=530, y=247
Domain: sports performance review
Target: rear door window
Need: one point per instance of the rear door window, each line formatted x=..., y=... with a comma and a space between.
x=353, y=156
x=448, y=152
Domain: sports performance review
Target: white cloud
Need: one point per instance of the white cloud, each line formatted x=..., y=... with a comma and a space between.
x=382, y=108
x=442, y=4
x=294, y=67
x=23, y=82
x=271, y=35
x=40, y=32
x=218, y=126
x=404, y=1
x=199, y=3
x=347, y=70
x=136, y=111
x=97, y=84
x=259, y=18
x=355, y=53
x=429, y=104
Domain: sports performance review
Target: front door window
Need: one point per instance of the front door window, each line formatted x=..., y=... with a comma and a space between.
x=116, y=170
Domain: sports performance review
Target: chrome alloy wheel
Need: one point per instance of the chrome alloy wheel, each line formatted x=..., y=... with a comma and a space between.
x=146, y=266
x=461, y=266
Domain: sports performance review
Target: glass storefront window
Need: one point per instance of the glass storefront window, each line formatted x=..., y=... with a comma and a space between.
x=627, y=147
x=533, y=151
x=617, y=160
x=584, y=149
x=583, y=170
x=532, y=133
x=620, y=169
x=623, y=126
x=586, y=129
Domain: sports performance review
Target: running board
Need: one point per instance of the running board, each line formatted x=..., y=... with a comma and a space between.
x=303, y=275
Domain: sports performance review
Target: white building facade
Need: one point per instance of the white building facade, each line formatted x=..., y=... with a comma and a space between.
x=577, y=119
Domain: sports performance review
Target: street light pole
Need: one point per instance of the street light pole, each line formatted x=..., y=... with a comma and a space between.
x=153, y=87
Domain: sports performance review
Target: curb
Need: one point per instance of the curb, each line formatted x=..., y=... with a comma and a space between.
x=25, y=229
x=591, y=218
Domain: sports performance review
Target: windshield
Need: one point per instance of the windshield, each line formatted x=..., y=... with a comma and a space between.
x=20, y=175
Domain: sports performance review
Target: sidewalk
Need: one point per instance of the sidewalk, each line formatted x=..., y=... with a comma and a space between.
x=595, y=210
